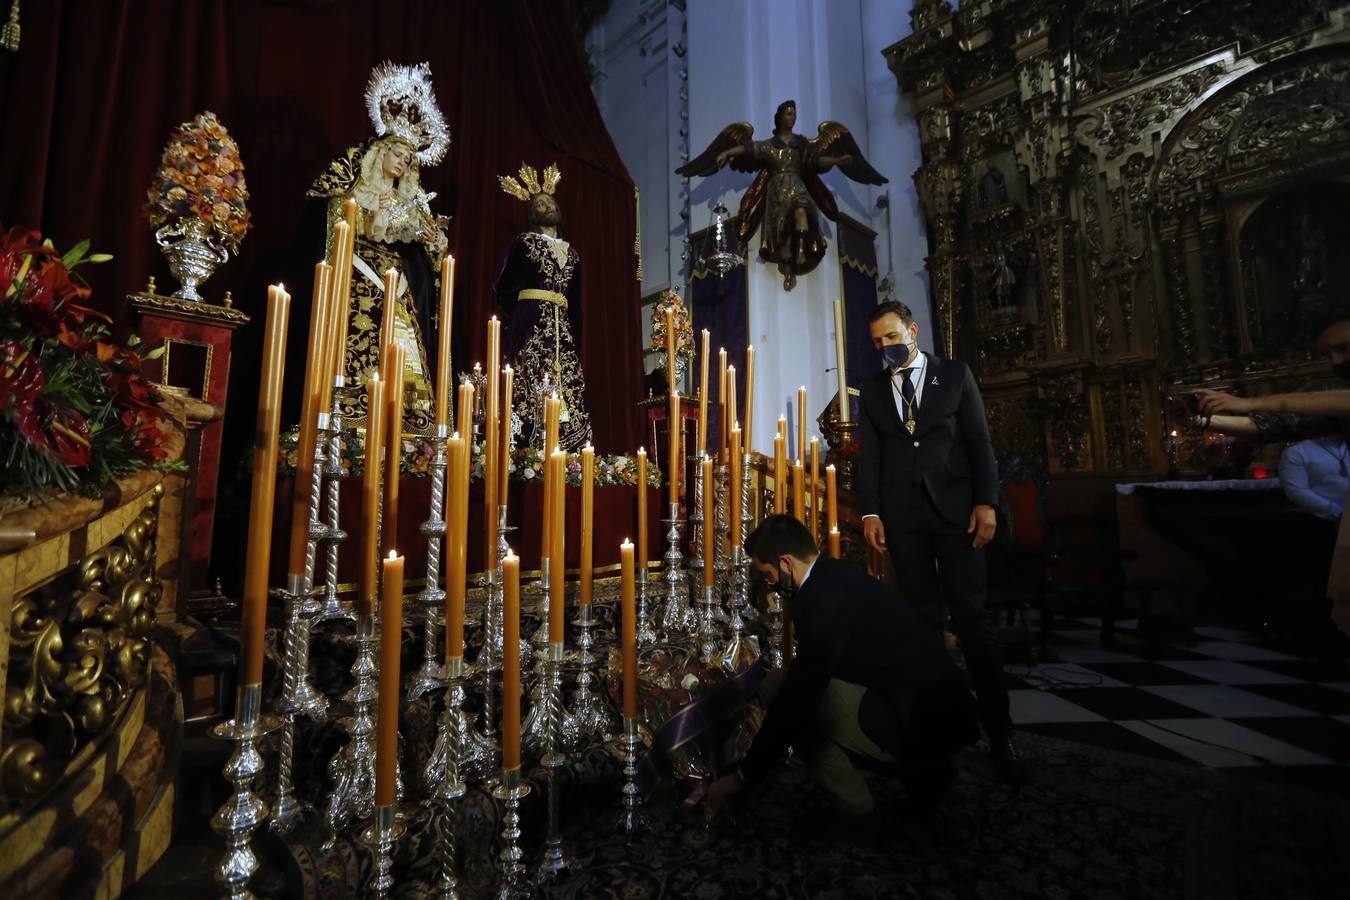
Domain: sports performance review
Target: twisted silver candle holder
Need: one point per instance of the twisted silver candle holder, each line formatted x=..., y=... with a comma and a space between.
x=646, y=630
x=333, y=535
x=709, y=637
x=555, y=861
x=678, y=617
x=746, y=610
x=721, y=569
x=540, y=637
x=353, y=767
x=631, y=818
x=432, y=598
x=244, y=810
x=592, y=714
x=460, y=751
x=381, y=835
x=511, y=791
x=743, y=649
x=696, y=561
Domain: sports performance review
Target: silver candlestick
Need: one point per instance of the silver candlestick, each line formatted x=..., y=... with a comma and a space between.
x=333, y=536
x=631, y=818
x=646, y=634
x=746, y=610
x=511, y=791
x=677, y=618
x=540, y=637
x=240, y=814
x=696, y=562
x=708, y=638
x=353, y=767
x=743, y=649
x=592, y=714
x=460, y=751
x=721, y=570
x=555, y=861
x=381, y=835
x=432, y=598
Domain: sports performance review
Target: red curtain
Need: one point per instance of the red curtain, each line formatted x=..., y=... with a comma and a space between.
x=90, y=98
x=88, y=101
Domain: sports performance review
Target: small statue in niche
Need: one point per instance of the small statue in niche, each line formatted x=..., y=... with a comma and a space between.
x=1002, y=279
x=991, y=192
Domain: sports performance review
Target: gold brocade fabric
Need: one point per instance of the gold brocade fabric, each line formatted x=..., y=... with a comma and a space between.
x=363, y=355
x=787, y=192
x=551, y=351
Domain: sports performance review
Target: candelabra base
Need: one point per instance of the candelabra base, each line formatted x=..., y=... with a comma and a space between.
x=380, y=836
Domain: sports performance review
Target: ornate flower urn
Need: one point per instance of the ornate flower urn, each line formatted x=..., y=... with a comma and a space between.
x=193, y=257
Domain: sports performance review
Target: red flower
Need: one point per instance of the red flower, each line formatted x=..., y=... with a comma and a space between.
x=61, y=432
x=21, y=375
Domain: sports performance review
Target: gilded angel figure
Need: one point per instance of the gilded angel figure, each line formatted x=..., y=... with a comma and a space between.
x=787, y=194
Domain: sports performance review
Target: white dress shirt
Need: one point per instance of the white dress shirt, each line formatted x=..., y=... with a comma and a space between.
x=1314, y=475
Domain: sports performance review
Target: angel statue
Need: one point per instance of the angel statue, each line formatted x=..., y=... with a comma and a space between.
x=394, y=228
x=539, y=290
x=788, y=185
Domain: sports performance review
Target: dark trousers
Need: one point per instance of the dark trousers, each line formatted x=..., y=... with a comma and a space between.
x=943, y=575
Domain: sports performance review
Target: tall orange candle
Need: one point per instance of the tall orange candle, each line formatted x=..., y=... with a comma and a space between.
x=703, y=398
x=552, y=414
x=390, y=307
x=490, y=438
x=626, y=587
x=798, y=491
x=587, y=523
x=511, y=662
x=456, y=538
x=393, y=442
x=734, y=512
x=815, y=489
x=443, y=361
x=316, y=373
x=779, y=473
x=263, y=490
x=674, y=461
x=642, y=511
x=349, y=212
x=723, y=420
x=504, y=469
x=749, y=435
x=391, y=646
x=709, y=521
x=801, y=422
x=370, y=496
x=733, y=416
x=831, y=504
x=546, y=528
x=339, y=306
x=323, y=293
x=558, y=557
x=834, y=543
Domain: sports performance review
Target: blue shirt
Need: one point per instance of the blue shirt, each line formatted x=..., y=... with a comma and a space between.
x=1314, y=475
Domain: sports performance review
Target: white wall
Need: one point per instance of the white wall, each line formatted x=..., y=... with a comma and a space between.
x=744, y=58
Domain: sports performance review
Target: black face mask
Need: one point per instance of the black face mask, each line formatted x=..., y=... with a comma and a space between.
x=896, y=355
x=1342, y=370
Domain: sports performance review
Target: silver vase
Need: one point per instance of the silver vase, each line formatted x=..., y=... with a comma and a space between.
x=193, y=257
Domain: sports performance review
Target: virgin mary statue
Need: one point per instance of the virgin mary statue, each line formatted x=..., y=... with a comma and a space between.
x=394, y=229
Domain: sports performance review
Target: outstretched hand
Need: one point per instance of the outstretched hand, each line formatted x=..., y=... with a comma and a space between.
x=1217, y=403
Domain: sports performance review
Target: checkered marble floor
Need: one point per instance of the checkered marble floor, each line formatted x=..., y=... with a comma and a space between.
x=1228, y=701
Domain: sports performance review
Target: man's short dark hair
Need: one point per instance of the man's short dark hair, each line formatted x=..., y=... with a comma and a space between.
x=891, y=308
x=778, y=535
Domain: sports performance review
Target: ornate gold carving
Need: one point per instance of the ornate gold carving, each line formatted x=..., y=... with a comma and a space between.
x=1066, y=423
x=78, y=649
x=188, y=310
x=1016, y=427
x=1010, y=349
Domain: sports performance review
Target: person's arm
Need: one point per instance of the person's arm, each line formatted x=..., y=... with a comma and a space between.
x=1294, y=480
x=1238, y=426
x=1311, y=403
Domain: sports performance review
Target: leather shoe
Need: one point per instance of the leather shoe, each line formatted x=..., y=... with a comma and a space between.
x=1008, y=763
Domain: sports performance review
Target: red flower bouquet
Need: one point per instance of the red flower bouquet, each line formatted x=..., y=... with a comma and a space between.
x=75, y=411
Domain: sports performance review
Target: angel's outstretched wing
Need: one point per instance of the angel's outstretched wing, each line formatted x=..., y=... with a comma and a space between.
x=834, y=140
x=734, y=135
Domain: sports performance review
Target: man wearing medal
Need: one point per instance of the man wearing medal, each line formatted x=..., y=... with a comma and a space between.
x=928, y=484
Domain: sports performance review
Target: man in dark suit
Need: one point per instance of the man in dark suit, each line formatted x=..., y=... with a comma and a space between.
x=928, y=486
x=871, y=676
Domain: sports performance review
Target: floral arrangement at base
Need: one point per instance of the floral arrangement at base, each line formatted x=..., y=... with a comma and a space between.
x=201, y=179
x=527, y=463
x=75, y=411
x=684, y=329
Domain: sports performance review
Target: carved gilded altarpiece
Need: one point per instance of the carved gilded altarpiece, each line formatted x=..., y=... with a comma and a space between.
x=1124, y=197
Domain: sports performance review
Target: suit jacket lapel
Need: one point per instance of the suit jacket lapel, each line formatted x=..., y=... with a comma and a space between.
x=934, y=393
x=886, y=397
